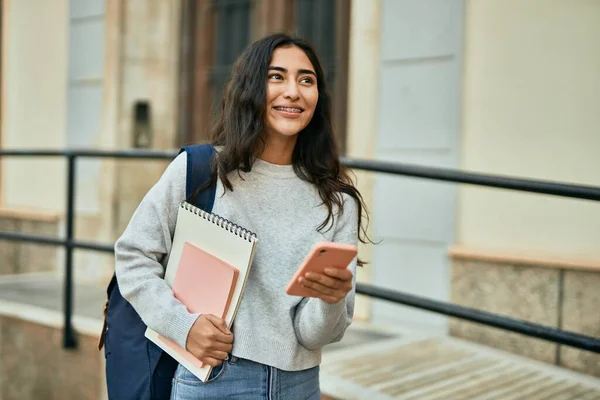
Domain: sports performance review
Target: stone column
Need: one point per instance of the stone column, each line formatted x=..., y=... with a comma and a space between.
x=363, y=95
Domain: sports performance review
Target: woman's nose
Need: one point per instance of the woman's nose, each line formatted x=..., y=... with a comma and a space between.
x=291, y=91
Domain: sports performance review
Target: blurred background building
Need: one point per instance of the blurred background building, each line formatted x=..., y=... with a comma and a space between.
x=495, y=86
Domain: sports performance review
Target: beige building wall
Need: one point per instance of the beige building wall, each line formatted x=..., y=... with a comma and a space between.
x=34, y=83
x=33, y=115
x=531, y=95
x=141, y=64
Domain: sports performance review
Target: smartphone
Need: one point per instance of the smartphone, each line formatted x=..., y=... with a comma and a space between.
x=323, y=255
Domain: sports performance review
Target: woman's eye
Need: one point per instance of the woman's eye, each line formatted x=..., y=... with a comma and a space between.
x=275, y=76
x=307, y=79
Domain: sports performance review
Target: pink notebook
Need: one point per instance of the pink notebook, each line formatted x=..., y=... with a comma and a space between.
x=204, y=284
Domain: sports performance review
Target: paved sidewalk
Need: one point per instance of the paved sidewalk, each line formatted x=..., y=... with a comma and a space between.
x=46, y=290
x=421, y=367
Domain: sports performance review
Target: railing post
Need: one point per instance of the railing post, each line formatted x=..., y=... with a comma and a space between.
x=69, y=340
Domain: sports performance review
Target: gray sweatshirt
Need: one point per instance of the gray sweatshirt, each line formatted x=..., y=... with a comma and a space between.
x=286, y=332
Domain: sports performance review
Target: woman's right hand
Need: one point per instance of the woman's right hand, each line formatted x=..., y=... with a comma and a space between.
x=210, y=340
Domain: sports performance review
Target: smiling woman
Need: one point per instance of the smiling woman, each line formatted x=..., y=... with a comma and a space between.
x=277, y=171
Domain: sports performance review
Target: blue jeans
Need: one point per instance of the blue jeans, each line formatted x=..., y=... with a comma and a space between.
x=238, y=378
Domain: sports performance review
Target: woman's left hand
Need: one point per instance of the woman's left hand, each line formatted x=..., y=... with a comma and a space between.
x=331, y=286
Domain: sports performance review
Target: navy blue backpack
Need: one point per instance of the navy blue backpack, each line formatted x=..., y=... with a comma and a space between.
x=136, y=368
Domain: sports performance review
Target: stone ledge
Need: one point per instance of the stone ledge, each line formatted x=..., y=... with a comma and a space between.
x=29, y=215
x=462, y=252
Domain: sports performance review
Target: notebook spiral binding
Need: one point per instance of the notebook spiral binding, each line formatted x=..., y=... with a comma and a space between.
x=222, y=222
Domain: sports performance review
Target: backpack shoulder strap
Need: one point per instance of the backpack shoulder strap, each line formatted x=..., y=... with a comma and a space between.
x=199, y=172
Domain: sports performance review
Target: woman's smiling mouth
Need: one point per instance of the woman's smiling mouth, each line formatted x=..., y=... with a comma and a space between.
x=289, y=112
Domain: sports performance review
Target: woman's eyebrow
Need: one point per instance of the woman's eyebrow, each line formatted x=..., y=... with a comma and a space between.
x=300, y=71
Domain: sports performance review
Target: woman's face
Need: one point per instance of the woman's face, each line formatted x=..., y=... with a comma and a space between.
x=292, y=92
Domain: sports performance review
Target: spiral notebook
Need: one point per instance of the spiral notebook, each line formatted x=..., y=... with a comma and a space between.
x=208, y=252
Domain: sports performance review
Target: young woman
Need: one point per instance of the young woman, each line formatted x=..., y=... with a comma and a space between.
x=278, y=174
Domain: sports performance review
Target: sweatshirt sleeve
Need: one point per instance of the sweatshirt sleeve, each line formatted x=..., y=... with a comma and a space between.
x=142, y=247
x=316, y=322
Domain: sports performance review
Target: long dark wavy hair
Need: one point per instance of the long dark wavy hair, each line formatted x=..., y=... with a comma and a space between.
x=240, y=124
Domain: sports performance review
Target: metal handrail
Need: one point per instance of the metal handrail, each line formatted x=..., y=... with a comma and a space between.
x=553, y=188
x=495, y=181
